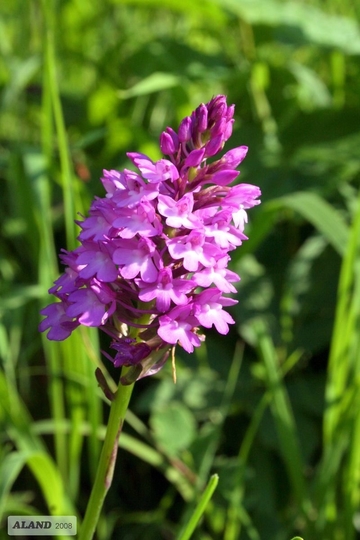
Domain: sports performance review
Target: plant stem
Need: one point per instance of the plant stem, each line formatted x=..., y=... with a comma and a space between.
x=107, y=461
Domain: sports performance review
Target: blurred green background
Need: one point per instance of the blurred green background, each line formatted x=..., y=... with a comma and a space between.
x=273, y=408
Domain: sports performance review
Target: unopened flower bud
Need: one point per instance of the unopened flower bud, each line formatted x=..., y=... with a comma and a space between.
x=202, y=118
x=195, y=158
x=185, y=130
x=167, y=146
x=214, y=146
x=234, y=157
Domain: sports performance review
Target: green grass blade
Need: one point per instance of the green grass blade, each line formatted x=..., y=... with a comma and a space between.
x=236, y=514
x=67, y=361
x=190, y=527
x=342, y=388
x=134, y=446
x=344, y=360
x=10, y=469
x=48, y=267
x=324, y=217
x=36, y=169
x=65, y=162
x=214, y=438
x=18, y=424
x=82, y=401
x=50, y=482
x=283, y=416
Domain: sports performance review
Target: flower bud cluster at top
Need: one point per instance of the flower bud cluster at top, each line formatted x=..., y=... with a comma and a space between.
x=151, y=267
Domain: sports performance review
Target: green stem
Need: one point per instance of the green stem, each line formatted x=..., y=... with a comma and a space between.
x=107, y=461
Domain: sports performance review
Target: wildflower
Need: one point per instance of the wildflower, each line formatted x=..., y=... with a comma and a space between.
x=151, y=268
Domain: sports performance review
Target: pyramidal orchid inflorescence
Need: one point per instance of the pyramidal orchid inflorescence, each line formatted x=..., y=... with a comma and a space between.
x=151, y=267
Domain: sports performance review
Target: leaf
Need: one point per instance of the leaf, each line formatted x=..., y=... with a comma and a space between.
x=174, y=427
x=22, y=71
x=205, y=11
x=46, y=474
x=307, y=22
x=312, y=91
x=154, y=83
x=282, y=414
x=324, y=217
x=50, y=482
x=10, y=468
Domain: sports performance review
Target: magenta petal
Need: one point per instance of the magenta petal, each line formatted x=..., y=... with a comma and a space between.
x=85, y=305
x=222, y=178
x=234, y=157
x=195, y=158
x=60, y=325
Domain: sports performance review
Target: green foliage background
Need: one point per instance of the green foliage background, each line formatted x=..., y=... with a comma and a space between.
x=273, y=408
